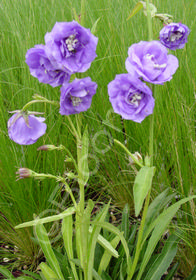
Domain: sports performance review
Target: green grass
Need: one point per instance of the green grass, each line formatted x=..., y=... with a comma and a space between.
x=23, y=25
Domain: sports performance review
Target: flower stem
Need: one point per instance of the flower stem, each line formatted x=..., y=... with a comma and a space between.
x=129, y=153
x=151, y=134
x=147, y=200
x=83, y=12
x=140, y=235
x=149, y=21
x=74, y=131
x=39, y=101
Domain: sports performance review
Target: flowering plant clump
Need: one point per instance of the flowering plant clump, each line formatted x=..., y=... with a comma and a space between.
x=76, y=97
x=71, y=47
x=25, y=129
x=42, y=69
x=130, y=98
x=151, y=62
x=174, y=35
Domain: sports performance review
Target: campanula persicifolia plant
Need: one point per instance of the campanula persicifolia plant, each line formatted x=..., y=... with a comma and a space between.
x=70, y=49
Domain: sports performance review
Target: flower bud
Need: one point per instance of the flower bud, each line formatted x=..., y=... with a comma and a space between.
x=23, y=173
x=137, y=156
x=47, y=148
x=70, y=175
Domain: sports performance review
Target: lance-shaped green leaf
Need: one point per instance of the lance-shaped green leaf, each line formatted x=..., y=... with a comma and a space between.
x=117, y=232
x=172, y=272
x=6, y=272
x=44, y=242
x=93, y=239
x=53, y=218
x=94, y=27
x=142, y=185
x=135, y=10
x=164, y=259
x=84, y=224
x=48, y=272
x=94, y=272
x=108, y=255
x=67, y=232
x=106, y=244
x=159, y=226
x=157, y=206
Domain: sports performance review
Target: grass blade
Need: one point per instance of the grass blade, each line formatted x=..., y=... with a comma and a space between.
x=47, y=250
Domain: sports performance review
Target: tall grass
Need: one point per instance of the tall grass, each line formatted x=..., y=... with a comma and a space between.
x=24, y=24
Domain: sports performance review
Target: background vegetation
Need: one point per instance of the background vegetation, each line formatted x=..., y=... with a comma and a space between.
x=23, y=25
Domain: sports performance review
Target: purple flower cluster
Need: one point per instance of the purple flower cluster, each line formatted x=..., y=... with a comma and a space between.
x=174, y=35
x=147, y=61
x=69, y=48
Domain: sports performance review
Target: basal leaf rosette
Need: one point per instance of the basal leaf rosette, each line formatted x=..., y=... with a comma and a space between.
x=151, y=62
x=26, y=129
x=71, y=47
x=174, y=35
x=42, y=69
x=130, y=98
x=76, y=97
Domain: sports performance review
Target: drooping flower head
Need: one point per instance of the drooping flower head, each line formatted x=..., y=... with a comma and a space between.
x=130, y=98
x=76, y=97
x=42, y=69
x=151, y=62
x=174, y=35
x=25, y=129
x=71, y=46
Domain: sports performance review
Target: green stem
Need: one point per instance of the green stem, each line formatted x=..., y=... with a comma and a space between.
x=74, y=131
x=129, y=153
x=150, y=38
x=67, y=188
x=151, y=141
x=149, y=21
x=151, y=134
x=39, y=101
x=83, y=12
x=140, y=235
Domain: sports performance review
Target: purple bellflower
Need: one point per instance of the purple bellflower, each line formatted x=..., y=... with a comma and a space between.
x=41, y=67
x=71, y=47
x=151, y=62
x=25, y=129
x=76, y=97
x=174, y=35
x=130, y=97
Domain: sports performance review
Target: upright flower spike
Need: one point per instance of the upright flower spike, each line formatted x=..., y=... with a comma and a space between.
x=151, y=62
x=76, y=97
x=42, y=69
x=25, y=129
x=71, y=47
x=130, y=98
x=174, y=35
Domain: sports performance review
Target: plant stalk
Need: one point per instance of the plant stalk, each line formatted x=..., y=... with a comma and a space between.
x=151, y=141
x=83, y=12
